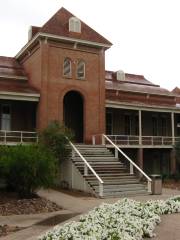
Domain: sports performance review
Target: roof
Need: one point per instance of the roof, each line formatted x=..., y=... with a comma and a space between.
x=176, y=90
x=16, y=86
x=10, y=67
x=58, y=25
x=134, y=83
x=13, y=77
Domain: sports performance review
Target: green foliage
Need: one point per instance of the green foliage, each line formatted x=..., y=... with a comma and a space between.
x=27, y=168
x=54, y=137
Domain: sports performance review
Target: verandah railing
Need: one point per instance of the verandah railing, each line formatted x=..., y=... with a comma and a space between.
x=144, y=140
x=17, y=137
x=105, y=139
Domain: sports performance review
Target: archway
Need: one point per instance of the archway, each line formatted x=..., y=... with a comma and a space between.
x=73, y=114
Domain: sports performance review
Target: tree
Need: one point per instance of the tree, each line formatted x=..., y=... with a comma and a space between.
x=55, y=138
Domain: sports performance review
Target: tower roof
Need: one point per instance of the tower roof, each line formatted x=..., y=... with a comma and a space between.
x=58, y=25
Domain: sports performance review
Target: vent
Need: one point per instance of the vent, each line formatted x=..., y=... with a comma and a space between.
x=74, y=25
x=120, y=75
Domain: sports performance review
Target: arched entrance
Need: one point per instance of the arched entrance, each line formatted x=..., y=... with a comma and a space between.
x=73, y=114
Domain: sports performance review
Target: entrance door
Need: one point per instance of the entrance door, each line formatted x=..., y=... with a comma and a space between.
x=73, y=114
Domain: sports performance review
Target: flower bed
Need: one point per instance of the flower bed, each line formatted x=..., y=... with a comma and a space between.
x=124, y=220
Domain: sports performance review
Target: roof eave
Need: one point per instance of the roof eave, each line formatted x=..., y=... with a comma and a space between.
x=33, y=97
x=60, y=38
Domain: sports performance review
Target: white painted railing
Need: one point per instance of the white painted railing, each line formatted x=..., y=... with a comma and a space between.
x=145, y=140
x=132, y=164
x=86, y=167
x=16, y=137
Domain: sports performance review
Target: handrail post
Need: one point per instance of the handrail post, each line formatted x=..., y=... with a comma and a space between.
x=103, y=140
x=149, y=186
x=73, y=153
x=116, y=153
x=5, y=140
x=21, y=137
x=131, y=169
x=93, y=139
x=85, y=170
x=101, y=189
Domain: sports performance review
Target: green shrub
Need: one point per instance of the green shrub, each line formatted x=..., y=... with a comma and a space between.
x=54, y=137
x=27, y=168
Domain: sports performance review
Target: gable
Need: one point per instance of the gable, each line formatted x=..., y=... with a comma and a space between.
x=59, y=25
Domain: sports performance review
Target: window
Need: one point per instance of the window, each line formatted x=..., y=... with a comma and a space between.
x=74, y=25
x=81, y=69
x=67, y=67
x=128, y=124
x=109, y=123
x=164, y=126
x=136, y=125
x=155, y=125
x=5, y=117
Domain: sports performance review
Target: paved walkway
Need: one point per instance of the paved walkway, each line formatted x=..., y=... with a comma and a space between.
x=169, y=229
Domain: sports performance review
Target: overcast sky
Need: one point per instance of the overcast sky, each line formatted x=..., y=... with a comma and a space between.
x=145, y=33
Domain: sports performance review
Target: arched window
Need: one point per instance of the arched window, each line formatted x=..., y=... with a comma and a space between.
x=74, y=25
x=67, y=72
x=81, y=69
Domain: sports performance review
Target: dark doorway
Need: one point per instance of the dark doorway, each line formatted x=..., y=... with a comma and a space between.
x=73, y=114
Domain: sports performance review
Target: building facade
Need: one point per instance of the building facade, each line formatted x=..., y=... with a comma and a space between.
x=60, y=75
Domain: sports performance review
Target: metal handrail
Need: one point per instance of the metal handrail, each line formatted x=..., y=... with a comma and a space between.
x=87, y=165
x=131, y=163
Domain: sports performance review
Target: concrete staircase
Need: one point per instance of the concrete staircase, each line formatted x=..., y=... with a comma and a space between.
x=115, y=175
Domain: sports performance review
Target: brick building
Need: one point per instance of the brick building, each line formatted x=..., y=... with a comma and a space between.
x=60, y=75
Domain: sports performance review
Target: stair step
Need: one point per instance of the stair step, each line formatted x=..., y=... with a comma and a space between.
x=125, y=193
x=115, y=188
x=115, y=175
x=96, y=183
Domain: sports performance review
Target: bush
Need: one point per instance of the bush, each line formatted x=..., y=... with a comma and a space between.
x=54, y=138
x=27, y=168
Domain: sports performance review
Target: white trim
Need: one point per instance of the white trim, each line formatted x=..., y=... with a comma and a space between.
x=60, y=38
x=13, y=77
x=20, y=96
x=139, y=106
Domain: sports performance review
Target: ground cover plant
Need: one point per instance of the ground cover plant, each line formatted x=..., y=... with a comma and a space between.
x=124, y=220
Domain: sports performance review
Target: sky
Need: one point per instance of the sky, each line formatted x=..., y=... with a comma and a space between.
x=145, y=33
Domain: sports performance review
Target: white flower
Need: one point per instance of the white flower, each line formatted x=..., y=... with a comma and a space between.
x=124, y=220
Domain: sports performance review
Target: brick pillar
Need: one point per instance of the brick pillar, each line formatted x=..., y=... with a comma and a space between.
x=140, y=160
x=172, y=162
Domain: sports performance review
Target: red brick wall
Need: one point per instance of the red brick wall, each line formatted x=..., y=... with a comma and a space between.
x=45, y=71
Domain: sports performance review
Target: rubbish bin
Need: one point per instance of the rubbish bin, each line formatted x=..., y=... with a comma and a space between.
x=156, y=184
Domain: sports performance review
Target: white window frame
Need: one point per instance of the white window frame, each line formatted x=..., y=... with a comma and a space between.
x=74, y=25
x=84, y=69
x=5, y=120
x=68, y=75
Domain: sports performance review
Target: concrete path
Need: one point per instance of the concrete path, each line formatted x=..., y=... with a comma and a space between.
x=169, y=229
